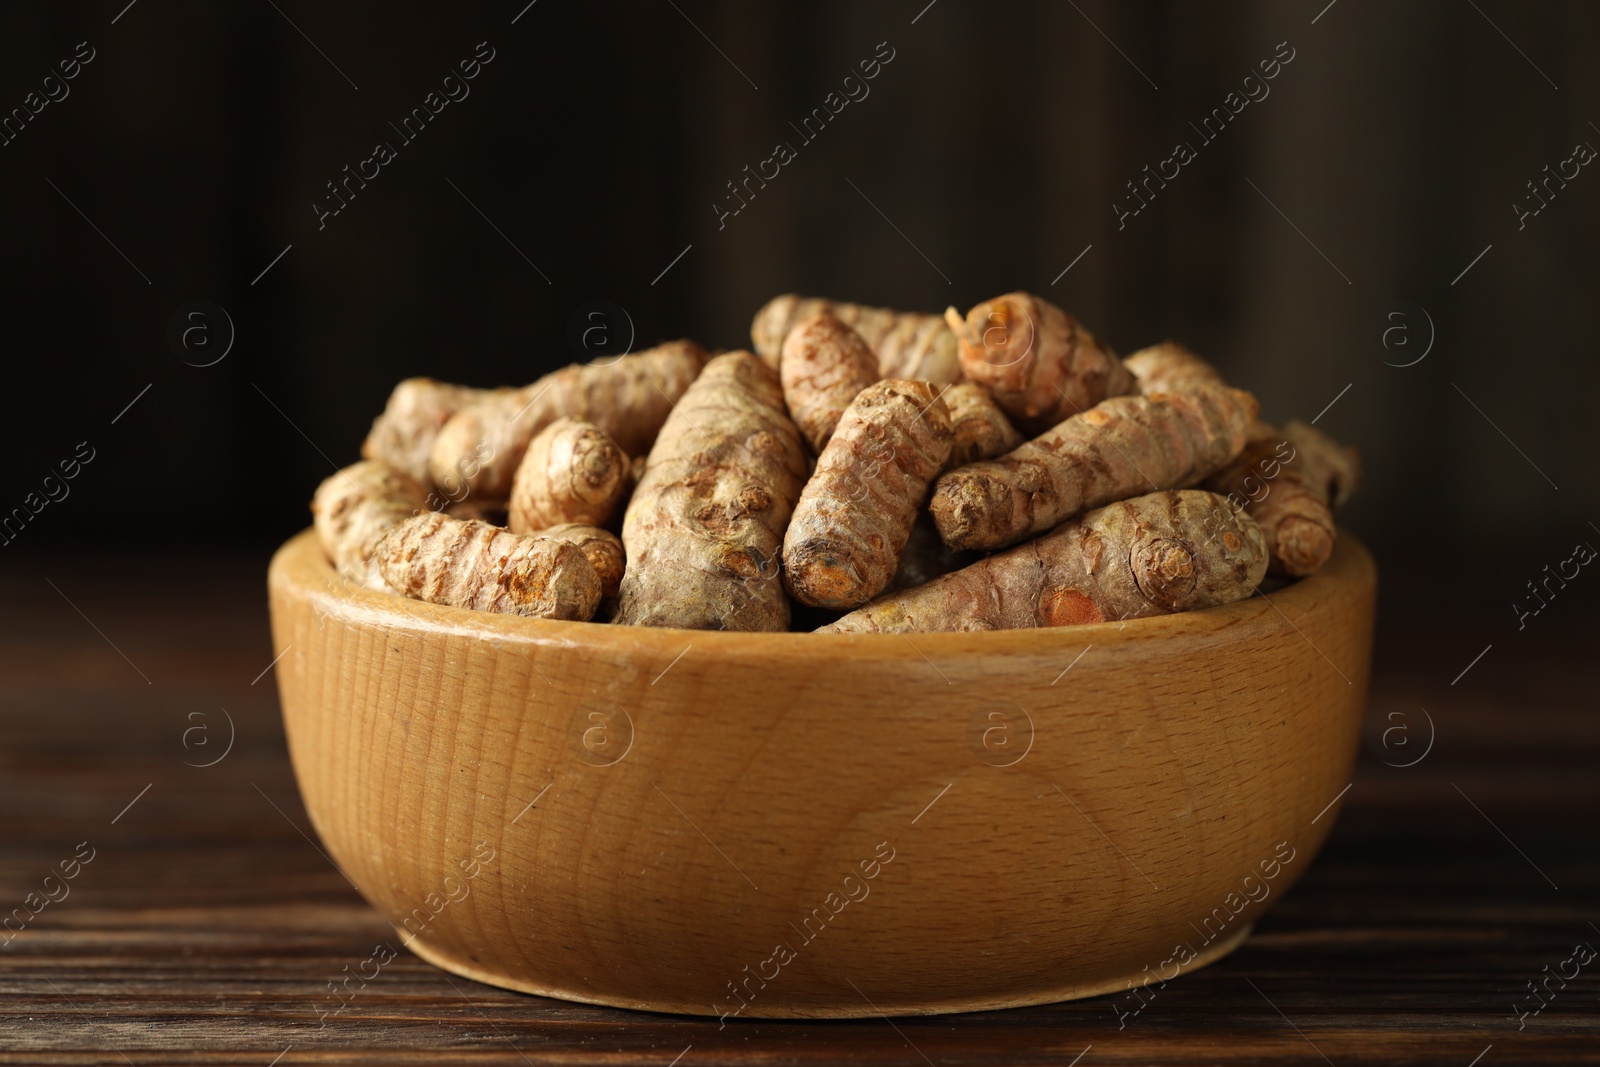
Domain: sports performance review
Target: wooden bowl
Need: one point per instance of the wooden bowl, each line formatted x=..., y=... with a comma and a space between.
x=795, y=825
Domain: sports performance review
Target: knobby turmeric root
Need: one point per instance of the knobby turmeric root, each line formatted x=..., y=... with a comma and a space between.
x=1119, y=448
x=1037, y=361
x=1288, y=482
x=982, y=430
x=464, y=563
x=572, y=473
x=602, y=548
x=1151, y=555
x=823, y=365
x=628, y=397
x=844, y=543
x=1327, y=462
x=908, y=344
x=1286, y=479
x=355, y=507
x=705, y=524
x=403, y=435
x=1169, y=367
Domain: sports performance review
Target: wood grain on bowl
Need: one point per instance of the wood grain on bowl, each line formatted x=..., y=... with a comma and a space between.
x=799, y=825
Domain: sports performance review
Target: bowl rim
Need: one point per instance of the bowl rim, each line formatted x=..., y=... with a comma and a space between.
x=301, y=564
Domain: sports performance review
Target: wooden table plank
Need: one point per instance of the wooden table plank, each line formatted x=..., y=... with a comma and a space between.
x=208, y=924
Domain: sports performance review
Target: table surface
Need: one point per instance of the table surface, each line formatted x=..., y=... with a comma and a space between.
x=208, y=924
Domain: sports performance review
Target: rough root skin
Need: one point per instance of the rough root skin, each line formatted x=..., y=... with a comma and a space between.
x=1120, y=447
x=982, y=430
x=1168, y=368
x=355, y=507
x=628, y=397
x=705, y=524
x=603, y=550
x=417, y=409
x=1037, y=361
x=468, y=564
x=843, y=545
x=1151, y=555
x=1285, y=481
x=823, y=365
x=908, y=344
x=573, y=472
x=1327, y=462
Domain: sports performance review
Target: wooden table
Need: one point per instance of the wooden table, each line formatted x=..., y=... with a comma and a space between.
x=207, y=925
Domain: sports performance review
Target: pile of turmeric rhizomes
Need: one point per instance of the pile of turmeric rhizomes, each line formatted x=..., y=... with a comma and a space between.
x=862, y=470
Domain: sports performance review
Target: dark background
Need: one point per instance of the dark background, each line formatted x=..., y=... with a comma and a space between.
x=1368, y=184
x=1391, y=148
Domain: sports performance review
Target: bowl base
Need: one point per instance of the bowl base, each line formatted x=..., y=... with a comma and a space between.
x=847, y=1008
